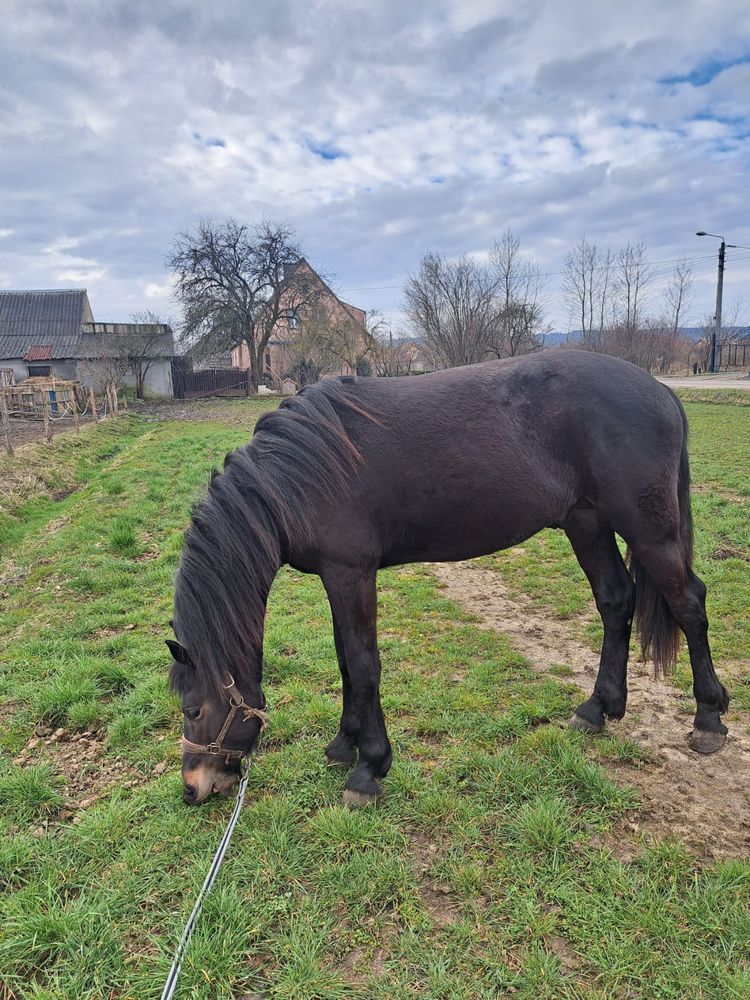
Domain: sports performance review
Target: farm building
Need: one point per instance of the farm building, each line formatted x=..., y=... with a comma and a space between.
x=324, y=313
x=53, y=332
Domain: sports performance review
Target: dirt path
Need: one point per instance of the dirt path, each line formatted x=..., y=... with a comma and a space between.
x=703, y=801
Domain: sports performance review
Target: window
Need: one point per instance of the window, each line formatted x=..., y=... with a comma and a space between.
x=39, y=370
x=292, y=319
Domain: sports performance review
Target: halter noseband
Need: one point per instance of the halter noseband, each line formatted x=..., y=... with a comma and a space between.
x=237, y=702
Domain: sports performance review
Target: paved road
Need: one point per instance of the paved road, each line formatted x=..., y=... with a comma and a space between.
x=724, y=381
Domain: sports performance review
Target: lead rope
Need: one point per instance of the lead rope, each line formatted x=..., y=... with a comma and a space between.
x=174, y=972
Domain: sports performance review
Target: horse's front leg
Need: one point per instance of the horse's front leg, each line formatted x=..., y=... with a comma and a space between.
x=342, y=750
x=354, y=605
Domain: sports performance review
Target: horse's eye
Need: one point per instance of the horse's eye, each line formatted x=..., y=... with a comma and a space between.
x=192, y=713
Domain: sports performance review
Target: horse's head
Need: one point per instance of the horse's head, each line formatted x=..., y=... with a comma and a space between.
x=219, y=729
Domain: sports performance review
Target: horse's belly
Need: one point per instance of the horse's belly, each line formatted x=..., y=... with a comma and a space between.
x=474, y=530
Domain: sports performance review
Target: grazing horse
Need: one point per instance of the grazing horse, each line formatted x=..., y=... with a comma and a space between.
x=355, y=474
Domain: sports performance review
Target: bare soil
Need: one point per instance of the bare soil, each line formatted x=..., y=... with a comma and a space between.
x=228, y=410
x=80, y=760
x=24, y=430
x=702, y=801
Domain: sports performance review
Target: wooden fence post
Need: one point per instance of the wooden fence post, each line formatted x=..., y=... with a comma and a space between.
x=45, y=412
x=6, y=421
x=92, y=403
x=74, y=408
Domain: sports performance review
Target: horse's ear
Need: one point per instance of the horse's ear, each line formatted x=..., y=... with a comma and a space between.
x=178, y=651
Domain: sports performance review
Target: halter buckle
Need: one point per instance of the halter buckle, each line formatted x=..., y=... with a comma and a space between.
x=214, y=748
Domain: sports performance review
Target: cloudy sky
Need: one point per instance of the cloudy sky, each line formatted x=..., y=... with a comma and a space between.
x=380, y=130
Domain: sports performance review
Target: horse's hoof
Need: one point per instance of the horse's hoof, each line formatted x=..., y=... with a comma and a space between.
x=703, y=741
x=356, y=800
x=578, y=722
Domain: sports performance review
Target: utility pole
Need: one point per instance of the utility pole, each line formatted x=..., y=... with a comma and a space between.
x=716, y=335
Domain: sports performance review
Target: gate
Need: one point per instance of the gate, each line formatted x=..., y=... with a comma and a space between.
x=212, y=382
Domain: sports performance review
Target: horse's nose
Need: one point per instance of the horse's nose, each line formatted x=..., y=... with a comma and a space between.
x=190, y=794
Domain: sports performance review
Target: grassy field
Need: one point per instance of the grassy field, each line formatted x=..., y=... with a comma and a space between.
x=488, y=870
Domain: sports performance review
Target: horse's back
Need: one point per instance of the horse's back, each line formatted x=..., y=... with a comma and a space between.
x=471, y=460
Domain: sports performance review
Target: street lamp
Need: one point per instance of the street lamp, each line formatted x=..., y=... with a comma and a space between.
x=719, y=291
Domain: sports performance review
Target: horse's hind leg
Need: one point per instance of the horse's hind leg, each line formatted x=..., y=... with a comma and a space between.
x=685, y=593
x=342, y=750
x=595, y=547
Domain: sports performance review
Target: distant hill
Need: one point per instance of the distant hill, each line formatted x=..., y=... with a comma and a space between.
x=556, y=338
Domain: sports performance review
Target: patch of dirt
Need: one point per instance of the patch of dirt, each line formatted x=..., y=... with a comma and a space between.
x=436, y=895
x=234, y=410
x=24, y=430
x=80, y=760
x=731, y=552
x=359, y=964
x=7, y=710
x=108, y=632
x=564, y=951
x=719, y=491
x=63, y=494
x=702, y=801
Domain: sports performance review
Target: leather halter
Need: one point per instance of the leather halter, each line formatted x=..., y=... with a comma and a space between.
x=237, y=703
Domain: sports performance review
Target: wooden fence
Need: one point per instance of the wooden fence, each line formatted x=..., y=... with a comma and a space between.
x=212, y=382
x=733, y=354
x=46, y=399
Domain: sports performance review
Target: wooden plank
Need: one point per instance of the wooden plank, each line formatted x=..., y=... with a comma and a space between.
x=6, y=422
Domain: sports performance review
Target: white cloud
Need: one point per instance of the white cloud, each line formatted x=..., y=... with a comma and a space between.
x=454, y=120
x=153, y=290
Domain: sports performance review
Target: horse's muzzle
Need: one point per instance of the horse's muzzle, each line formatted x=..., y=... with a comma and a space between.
x=203, y=776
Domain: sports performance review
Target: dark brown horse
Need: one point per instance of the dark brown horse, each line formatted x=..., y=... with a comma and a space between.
x=353, y=475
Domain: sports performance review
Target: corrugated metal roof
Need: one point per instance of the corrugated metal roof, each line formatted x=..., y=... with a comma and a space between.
x=61, y=322
x=40, y=352
x=50, y=317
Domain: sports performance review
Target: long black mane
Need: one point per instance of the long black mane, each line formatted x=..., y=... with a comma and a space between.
x=255, y=509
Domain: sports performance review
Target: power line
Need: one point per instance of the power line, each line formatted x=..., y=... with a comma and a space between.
x=657, y=265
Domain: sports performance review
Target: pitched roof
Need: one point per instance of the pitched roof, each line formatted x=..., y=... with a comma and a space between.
x=50, y=317
x=59, y=324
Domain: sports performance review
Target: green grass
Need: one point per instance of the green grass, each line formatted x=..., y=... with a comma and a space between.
x=480, y=875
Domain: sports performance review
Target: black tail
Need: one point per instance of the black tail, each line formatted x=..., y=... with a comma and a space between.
x=658, y=632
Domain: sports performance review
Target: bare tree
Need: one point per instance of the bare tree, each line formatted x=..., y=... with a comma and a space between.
x=732, y=327
x=579, y=276
x=328, y=338
x=518, y=284
x=309, y=358
x=587, y=286
x=350, y=343
x=395, y=353
x=143, y=342
x=235, y=282
x=634, y=274
x=464, y=311
x=678, y=293
x=452, y=305
x=701, y=350
x=395, y=356
x=660, y=341
x=105, y=367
